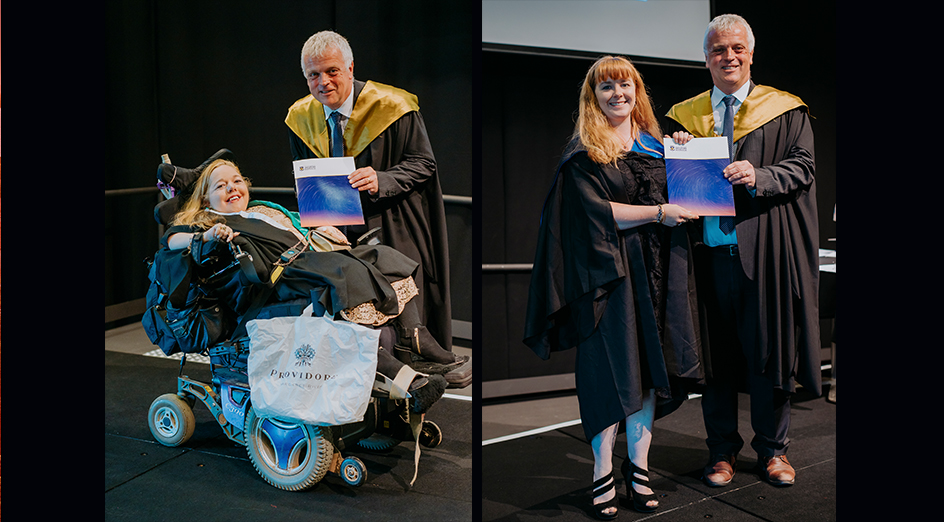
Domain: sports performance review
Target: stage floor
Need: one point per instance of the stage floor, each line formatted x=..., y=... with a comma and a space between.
x=211, y=478
x=535, y=463
x=534, y=473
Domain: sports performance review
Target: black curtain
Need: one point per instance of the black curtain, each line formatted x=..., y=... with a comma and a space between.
x=525, y=127
x=523, y=138
x=188, y=78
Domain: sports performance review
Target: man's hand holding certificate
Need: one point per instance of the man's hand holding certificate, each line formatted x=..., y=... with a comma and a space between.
x=695, y=175
x=325, y=195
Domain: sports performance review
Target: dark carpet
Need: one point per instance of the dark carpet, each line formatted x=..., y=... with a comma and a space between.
x=548, y=476
x=211, y=478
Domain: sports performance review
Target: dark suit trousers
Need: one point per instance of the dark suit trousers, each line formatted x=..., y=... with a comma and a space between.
x=731, y=344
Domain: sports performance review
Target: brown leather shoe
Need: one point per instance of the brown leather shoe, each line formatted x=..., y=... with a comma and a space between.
x=778, y=471
x=719, y=471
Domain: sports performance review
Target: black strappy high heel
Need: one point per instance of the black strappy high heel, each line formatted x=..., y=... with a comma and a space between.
x=600, y=489
x=640, y=501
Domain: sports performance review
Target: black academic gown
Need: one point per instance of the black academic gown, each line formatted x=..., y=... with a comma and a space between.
x=409, y=209
x=334, y=281
x=778, y=242
x=592, y=288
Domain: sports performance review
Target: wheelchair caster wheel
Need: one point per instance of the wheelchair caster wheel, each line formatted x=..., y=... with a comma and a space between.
x=353, y=471
x=431, y=435
x=171, y=420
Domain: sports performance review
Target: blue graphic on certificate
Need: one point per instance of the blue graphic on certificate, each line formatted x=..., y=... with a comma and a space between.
x=695, y=176
x=325, y=196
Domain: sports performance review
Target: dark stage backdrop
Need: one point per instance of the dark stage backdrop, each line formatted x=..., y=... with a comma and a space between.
x=526, y=125
x=187, y=78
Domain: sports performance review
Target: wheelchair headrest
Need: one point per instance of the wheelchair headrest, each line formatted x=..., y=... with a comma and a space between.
x=178, y=182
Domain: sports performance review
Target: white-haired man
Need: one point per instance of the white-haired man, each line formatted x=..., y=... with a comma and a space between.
x=757, y=273
x=380, y=126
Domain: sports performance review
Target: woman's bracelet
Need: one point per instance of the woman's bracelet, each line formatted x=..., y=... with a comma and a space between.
x=660, y=218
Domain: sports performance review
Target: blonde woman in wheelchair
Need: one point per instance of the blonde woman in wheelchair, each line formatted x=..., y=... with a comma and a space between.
x=370, y=285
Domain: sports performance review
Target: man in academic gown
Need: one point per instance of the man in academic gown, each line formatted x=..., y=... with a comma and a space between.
x=396, y=173
x=758, y=283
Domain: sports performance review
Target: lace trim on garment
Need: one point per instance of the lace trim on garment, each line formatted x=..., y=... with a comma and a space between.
x=367, y=314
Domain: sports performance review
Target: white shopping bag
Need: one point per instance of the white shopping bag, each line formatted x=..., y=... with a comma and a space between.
x=312, y=370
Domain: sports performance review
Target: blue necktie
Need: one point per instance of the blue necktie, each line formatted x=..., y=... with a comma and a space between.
x=337, y=142
x=726, y=223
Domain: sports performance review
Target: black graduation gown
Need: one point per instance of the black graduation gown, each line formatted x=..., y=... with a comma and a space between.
x=409, y=209
x=625, y=299
x=778, y=241
x=334, y=281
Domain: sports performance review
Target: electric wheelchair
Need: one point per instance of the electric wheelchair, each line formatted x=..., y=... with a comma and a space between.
x=288, y=455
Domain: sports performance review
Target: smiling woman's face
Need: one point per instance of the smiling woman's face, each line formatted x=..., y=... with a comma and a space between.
x=616, y=99
x=228, y=191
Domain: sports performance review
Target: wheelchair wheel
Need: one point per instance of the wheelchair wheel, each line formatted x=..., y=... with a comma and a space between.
x=353, y=471
x=288, y=455
x=430, y=435
x=171, y=420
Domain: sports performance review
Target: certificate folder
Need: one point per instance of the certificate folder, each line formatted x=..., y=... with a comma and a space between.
x=325, y=196
x=694, y=172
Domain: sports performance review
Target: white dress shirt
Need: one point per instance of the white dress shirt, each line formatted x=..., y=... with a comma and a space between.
x=345, y=109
